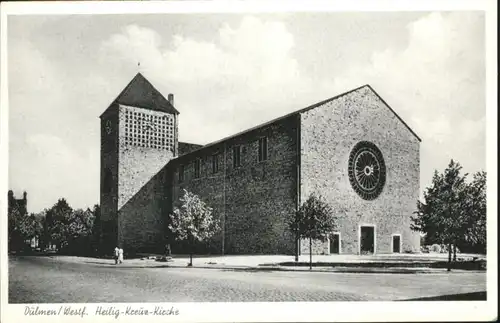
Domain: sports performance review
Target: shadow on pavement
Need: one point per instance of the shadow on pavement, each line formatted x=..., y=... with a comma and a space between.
x=477, y=296
x=107, y=263
x=148, y=267
x=33, y=254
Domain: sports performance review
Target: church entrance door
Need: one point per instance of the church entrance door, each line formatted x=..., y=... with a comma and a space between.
x=396, y=243
x=335, y=243
x=367, y=236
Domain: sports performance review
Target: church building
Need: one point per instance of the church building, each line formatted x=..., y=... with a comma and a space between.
x=352, y=149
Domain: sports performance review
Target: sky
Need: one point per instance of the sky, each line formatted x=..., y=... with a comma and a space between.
x=230, y=72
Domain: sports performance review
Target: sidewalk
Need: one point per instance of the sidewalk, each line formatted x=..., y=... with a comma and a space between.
x=410, y=264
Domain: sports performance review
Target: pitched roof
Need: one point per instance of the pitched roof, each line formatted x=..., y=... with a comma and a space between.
x=374, y=92
x=185, y=147
x=302, y=111
x=142, y=94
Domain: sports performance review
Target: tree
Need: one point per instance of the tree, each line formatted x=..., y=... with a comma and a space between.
x=452, y=210
x=475, y=208
x=314, y=220
x=193, y=221
x=21, y=227
x=96, y=230
x=70, y=230
x=58, y=218
x=39, y=220
x=78, y=232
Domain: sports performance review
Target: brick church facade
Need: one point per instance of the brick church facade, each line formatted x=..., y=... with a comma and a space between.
x=352, y=149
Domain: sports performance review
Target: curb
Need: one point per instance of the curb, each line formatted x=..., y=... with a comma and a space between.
x=354, y=270
x=267, y=267
x=394, y=270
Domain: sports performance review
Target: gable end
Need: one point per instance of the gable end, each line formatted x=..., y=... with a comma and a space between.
x=394, y=112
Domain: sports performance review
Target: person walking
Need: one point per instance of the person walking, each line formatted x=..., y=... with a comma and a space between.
x=120, y=256
x=117, y=254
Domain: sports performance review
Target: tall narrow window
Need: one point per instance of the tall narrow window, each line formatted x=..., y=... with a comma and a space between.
x=215, y=163
x=108, y=181
x=181, y=173
x=197, y=163
x=236, y=156
x=263, y=149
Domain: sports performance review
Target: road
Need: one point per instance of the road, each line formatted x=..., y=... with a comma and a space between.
x=47, y=280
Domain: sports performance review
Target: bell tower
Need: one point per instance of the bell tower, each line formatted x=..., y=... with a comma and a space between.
x=138, y=138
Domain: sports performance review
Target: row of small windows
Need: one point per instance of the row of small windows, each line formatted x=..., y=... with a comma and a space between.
x=150, y=131
x=147, y=126
x=139, y=132
x=137, y=116
x=146, y=139
x=159, y=121
x=236, y=160
x=154, y=128
x=197, y=167
x=164, y=145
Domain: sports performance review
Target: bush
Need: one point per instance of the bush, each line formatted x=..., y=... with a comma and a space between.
x=444, y=248
x=435, y=248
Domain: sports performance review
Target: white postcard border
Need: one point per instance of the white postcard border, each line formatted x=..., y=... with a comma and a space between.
x=283, y=311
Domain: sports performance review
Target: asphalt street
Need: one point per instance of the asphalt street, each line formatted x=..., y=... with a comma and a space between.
x=48, y=280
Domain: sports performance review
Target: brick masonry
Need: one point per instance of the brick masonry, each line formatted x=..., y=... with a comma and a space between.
x=307, y=151
x=328, y=134
x=134, y=205
x=318, y=247
x=141, y=189
x=109, y=165
x=253, y=201
x=109, y=176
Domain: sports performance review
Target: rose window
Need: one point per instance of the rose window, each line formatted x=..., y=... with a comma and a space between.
x=367, y=172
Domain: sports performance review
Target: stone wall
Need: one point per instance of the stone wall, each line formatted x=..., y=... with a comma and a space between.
x=328, y=134
x=142, y=218
x=141, y=191
x=252, y=201
x=109, y=178
x=318, y=247
x=209, y=187
x=109, y=165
